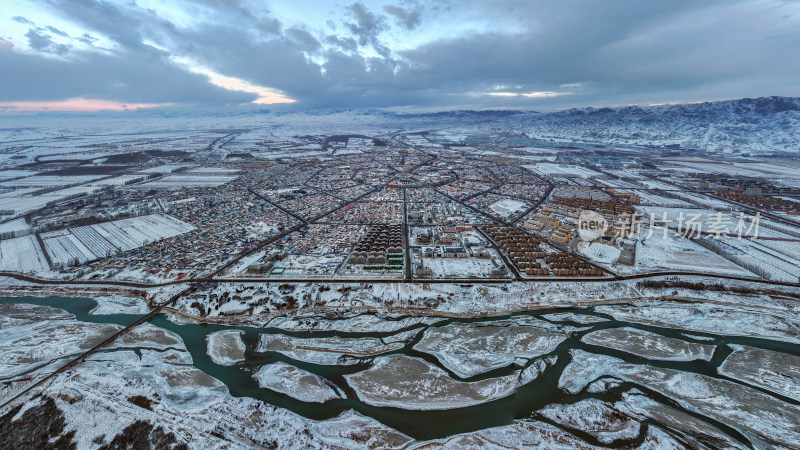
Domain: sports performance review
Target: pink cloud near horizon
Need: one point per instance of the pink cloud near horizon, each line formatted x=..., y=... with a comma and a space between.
x=74, y=105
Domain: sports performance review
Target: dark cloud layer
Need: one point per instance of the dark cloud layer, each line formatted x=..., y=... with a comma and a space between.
x=367, y=26
x=39, y=40
x=303, y=38
x=137, y=79
x=22, y=20
x=525, y=54
x=408, y=19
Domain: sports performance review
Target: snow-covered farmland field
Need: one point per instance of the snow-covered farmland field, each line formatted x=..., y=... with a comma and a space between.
x=14, y=173
x=65, y=249
x=22, y=254
x=678, y=253
x=21, y=205
x=186, y=181
x=15, y=227
x=617, y=184
x=20, y=201
x=118, y=181
x=165, y=168
x=213, y=171
x=460, y=267
x=599, y=252
x=91, y=242
x=652, y=199
x=739, y=168
x=46, y=181
x=774, y=260
x=705, y=200
x=656, y=184
x=561, y=170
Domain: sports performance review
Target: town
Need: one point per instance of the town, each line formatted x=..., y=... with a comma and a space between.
x=409, y=208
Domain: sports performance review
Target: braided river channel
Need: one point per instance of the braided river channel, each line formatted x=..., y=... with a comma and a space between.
x=712, y=375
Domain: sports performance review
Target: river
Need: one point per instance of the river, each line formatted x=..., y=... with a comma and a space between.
x=421, y=425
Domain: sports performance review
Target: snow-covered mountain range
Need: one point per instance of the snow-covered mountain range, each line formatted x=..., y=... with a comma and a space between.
x=746, y=126
x=754, y=126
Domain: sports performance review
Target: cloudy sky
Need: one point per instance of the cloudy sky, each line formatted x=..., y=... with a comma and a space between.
x=404, y=54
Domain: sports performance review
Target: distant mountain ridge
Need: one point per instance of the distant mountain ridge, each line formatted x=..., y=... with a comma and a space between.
x=761, y=105
x=757, y=126
x=748, y=126
x=745, y=126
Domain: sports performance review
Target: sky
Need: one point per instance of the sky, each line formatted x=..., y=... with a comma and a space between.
x=90, y=55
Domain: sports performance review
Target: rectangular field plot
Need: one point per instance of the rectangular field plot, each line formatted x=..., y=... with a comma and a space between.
x=773, y=260
x=463, y=268
x=653, y=199
x=186, y=181
x=740, y=168
x=48, y=181
x=90, y=242
x=22, y=254
x=14, y=228
x=561, y=170
x=678, y=253
x=67, y=249
x=121, y=180
x=165, y=168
